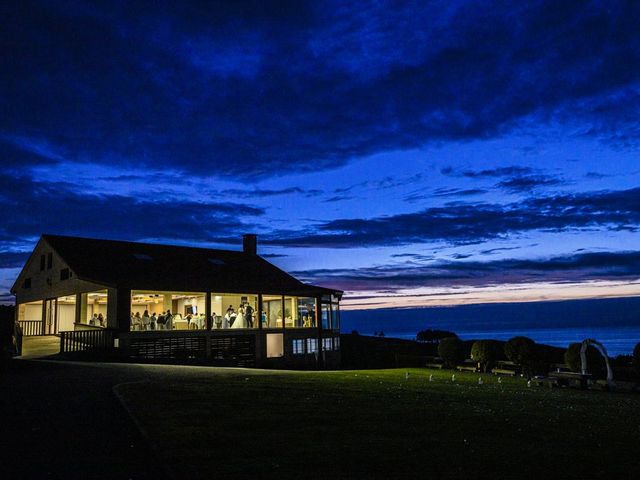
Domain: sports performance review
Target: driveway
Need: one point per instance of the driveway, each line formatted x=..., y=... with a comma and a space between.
x=61, y=420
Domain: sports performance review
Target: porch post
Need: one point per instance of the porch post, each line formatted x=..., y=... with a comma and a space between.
x=44, y=314
x=259, y=313
x=119, y=309
x=319, y=331
x=207, y=310
x=283, y=311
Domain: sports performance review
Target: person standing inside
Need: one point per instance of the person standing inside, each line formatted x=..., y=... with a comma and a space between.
x=248, y=316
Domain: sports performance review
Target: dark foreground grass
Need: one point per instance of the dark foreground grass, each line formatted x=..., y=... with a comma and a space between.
x=376, y=424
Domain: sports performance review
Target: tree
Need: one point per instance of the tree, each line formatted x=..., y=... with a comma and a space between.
x=595, y=361
x=484, y=352
x=433, y=336
x=522, y=350
x=451, y=349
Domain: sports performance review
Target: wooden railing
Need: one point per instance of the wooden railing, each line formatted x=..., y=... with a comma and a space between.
x=31, y=328
x=79, y=340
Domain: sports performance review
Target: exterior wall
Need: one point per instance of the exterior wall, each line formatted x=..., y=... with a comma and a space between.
x=199, y=345
x=46, y=283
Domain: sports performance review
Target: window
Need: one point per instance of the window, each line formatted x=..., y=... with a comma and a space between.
x=65, y=274
x=49, y=261
x=187, y=311
x=326, y=344
x=272, y=311
x=335, y=316
x=26, y=283
x=312, y=345
x=275, y=345
x=336, y=343
x=298, y=346
x=42, y=262
x=306, y=312
x=326, y=316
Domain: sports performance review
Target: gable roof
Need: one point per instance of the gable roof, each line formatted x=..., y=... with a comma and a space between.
x=147, y=266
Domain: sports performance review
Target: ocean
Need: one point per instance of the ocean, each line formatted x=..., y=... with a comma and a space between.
x=615, y=322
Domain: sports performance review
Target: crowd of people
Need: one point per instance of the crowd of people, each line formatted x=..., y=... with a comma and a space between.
x=98, y=320
x=244, y=317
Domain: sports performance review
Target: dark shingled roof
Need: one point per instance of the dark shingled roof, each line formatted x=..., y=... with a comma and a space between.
x=147, y=266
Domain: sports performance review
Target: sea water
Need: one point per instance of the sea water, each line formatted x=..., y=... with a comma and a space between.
x=614, y=322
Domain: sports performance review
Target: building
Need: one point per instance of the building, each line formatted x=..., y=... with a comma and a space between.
x=227, y=307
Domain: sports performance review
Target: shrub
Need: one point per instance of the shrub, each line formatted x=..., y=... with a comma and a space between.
x=595, y=361
x=636, y=358
x=522, y=350
x=484, y=352
x=451, y=349
x=433, y=336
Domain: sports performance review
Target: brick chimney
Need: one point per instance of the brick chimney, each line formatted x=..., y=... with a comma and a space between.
x=250, y=243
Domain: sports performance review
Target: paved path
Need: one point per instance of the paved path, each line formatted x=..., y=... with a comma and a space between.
x=61, y=420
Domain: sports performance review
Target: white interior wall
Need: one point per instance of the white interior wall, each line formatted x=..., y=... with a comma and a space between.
x=66, y=316
x=32, y=311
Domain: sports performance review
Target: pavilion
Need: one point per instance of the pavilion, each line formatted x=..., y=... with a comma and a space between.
x=158, y=302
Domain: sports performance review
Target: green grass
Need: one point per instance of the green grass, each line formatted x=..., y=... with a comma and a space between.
x=376, y=424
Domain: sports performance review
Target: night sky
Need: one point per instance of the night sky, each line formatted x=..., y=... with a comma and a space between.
x=439, y=152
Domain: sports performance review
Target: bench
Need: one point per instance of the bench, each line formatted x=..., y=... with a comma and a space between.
x=504, y=367
x=467, y=367
x=438, y=366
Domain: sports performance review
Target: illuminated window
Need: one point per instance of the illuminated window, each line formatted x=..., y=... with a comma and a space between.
x=306, y=312
x=326, y=344
x=312, y=345
x=336, y=343
x=298, y=346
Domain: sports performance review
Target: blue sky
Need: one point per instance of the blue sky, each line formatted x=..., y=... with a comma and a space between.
x=415, y=154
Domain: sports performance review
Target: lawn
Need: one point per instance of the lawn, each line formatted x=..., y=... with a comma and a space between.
x=378, y=424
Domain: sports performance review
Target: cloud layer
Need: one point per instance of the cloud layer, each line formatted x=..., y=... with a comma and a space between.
x=477, y=222
x=246, y=89
x=406, y=275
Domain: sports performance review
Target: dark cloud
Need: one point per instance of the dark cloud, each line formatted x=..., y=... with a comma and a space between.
x=262, y=192
x=492, y=251
x=510, y=171
x=472, y=223
x=444, y=192
x=338, y=198
x=29, y=208
x=577, y=267
x=596, y=175
x=518, y=179
x=528, y=183
x=262, y=88
x=13, y=259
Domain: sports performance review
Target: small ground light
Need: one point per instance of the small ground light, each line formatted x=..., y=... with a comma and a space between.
x=453, y=377
x=499, y=379
x=431, y=377
x=407, y=375
x=480, y=382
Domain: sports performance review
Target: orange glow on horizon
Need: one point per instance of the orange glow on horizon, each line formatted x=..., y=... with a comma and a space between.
x=510, y=293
